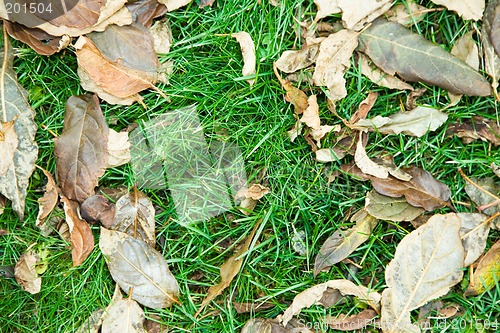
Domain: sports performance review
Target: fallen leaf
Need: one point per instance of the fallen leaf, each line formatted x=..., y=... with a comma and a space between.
x=484, y=196
x=341, y=244
x=93, y=323
x=294, y=95
x=326, y=8
x=37, y=39
x=475, y=128
x=3, y=201
x=379, y=77
x=118, y=148
x=81, y=149
x=390, y=209
x=250, y=196
x=124, y=316
x=355, y=17
x=98, y=208
x=260, y=325
x=487, y=273
x=154, y=325
x=396, y=49
x=495, y=26
x=228, y=270
x=406, y=14
x=468, y=10
x=364, y=107
x=365, y=164
x=25, y=272
x=416, y=122
x=14, y=180
x=292, y=61
x=334, y=59
x=48, y=201
x=310, y=117
x=205, y=3
x=310, y=296
x=491, y=57
x=174, y=4
x=427, y=263
x=295, y=131
x=326, y=155
x=9, y=142
x=144, y=11
x=252, y=307
x=248, y=52
x=135, y=216
x=162, y=35
x=351, y=323
x=474, y=233
x=139, y=269
x=495, y=168
x=81, y=237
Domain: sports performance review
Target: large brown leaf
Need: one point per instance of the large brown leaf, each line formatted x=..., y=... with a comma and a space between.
x=81, y=149
x=396, y=49
x=37, y=39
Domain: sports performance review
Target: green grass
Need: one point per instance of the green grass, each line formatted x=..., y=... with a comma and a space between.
x=208, y=73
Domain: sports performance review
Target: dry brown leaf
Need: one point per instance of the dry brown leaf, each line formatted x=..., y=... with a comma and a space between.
x=390, y=209
x=250, y=196
x=118, y=148
x=174, y=4
x=144, y=11
x=252, y=307
x=154, y=325
x=48, y=201
x=334, y=59
x=25, y=272
x=427, y=263
x=260, y=325
x=326, y=8
x=9, y=142
x=326, y=155
x=365, y=164
x=495, y=168
x=98, y=208
x=312, y=295
x=81, y=149
x=474, y=229
x=228, y=270
x=351, y=323
x=205, y=3
x=491, y=57
x=292, y=61
x=468, y=10
x=248, y=52
x=475, y=128
x=162, y=35
x=295, y=131
x=379, y=77
x=484, y=195
x=466, y=50
x=341, y=244
x=495, y=27
x=82, y=239
x=124, y=316
x=406, y=14
x=310, y=117
x=37, y=39
x=364, y=107
x=487, y=273
x=93, y=323
x=294, y=95
x=355, y=17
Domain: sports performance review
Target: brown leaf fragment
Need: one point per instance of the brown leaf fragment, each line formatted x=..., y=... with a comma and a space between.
x=248, y=52
x=326, y=8
x=162, y=35
x=3, y=202
x=484, y=194
x=390, y=209
x=48, y=201
x=81, y=149
x=355, y=17
x=487, y=272
x=174, y=4
x=252, y=307
x=474, y=229
x=25, y=272
x=93, y=323
x=4, y=232
x=351, y=323
x=495, y=25
x=82, y=239
x=379, y=77
x=395, y=49
x=98, y=208
x=250, y=196
x=468, y=10
x=228, y=271
x=406, y=14
x=205, y=3
x=292, y=61
x=364, y=107
x=118, y=148
x=154, y=325
x=366, y=164
x=342, y=243
x=9, y=142
x=495, y=168
x=124, y=316
x=260, y=325
x=144, y=11
x=294, y=95
x=310, y=117
x=37, y=39
x=475, y=128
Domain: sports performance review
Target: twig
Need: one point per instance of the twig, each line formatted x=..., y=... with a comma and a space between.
x=479, y=187
x=2, y=75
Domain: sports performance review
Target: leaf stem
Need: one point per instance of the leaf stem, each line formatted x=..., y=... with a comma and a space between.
x=479, y=187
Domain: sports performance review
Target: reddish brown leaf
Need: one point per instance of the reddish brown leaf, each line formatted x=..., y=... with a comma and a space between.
x=144, y=11
x=294, y=95
x=37, y=39
x=476, y=128
x=98, y=208
x=364, y=107
x=48, y=202
x=81, y=149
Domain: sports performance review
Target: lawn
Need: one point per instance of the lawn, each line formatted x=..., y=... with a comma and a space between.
x=207, y=72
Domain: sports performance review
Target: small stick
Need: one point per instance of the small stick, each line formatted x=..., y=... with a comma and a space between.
x=479, y=187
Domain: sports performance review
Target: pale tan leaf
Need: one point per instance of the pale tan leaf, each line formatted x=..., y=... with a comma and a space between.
x=333, y=61
x=466, y=50
x=427, y=263
x=295, y=131
x=310, y=117
x=228, y=271
x=366, y=164
x=248, y=52
x=135, y=265
x=124, y=316
x=406, y=14
x=93, y=323
x=326, y=155
x=390, y=209
x=25, y=272
x=468, y=10
x=174, y=4
x=162, y=35
x=318, y=134
x=48, y=201
x=312, y=295
x=292, y=61
x=118, y=148
x=8, y=144
x=342, y=243
x=256, y=191
x=351, y=323
x=495, y=168
x=379, y=77
x=485, y=195
x=364, y=107
x=356, y=16
x=487, y=273
x=474, y=233
x=326, y=8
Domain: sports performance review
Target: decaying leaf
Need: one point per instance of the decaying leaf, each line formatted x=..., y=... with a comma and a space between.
x=474, y=229
x=9, y=142
x=261, y=325
x=37, y=39
x=468, y=10
x=48, y=201
x=365, y=164
x=25, y=272
x=93, y=323
x=98, y=208
x=248, y=52
x=495, y=26
x=228, y=271
x=162, y=35
x=484, y=195
x=351, y=323
x=312, y=295
x=81, y=149
x=135, y=216
x=3, y=200
x=406, y=14
x=326, y=8
x=174, y=4
x=144, y=11
x=81, y=237
x=487, y=273
x=204, y=3
x=355, y=16
x=118, y=148
x=252, y=307
x=124, y=316
x=396, y=49
x=342, y=243
x=416, y=122
x=475, y=128
x=334, y=59
x=489, y=38
x=292, y=61
x=495, y=168
x=390, y=209
x=135, y=264
x=379, y=77
x=250, y=196
x=427, y=263
x=364, y=107
x=294, y=95
x=14, y=179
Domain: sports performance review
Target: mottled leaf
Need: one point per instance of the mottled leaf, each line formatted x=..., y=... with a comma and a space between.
x=468, y=10
x=292, y=61
x=474, y=229
x=93, y=323
x=162, y=35
x=98, y=208
x=124, y=316
x=390, y=209
x=355, y=17
x=144, y=11
x=487, y=272
x=25, y=272
x=484, y=195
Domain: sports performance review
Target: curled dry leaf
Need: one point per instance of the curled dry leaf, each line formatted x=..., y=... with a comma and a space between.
x=294, y=95
x=416, y=122
x=248, y=52
x=37, y=39
x=48, y=201
x=124, y=316
x=351, y=323
x=118, y=148
x=365, y=164
x=312, y=295
x=326, y=8
x=406, y=14
x=25, y=272
x=228, y=270
x=98, y=208
x=468, y=10
x=427, y=263
x=396, y=49
x=81, y=237
x=250, y=196
x=476, y=128
x=364, y=107
x=135, y=264
x=334, y=59
x=162, y=35
x=355, y=17
x=342, y=243
x=474, y=229
x=487, y=272
x=379, y=77
x=81, y=149
x=390, y=209
x=292, y=61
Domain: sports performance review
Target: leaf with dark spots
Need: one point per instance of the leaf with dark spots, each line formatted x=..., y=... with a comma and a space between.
x=396, y=49
x=81, y=149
